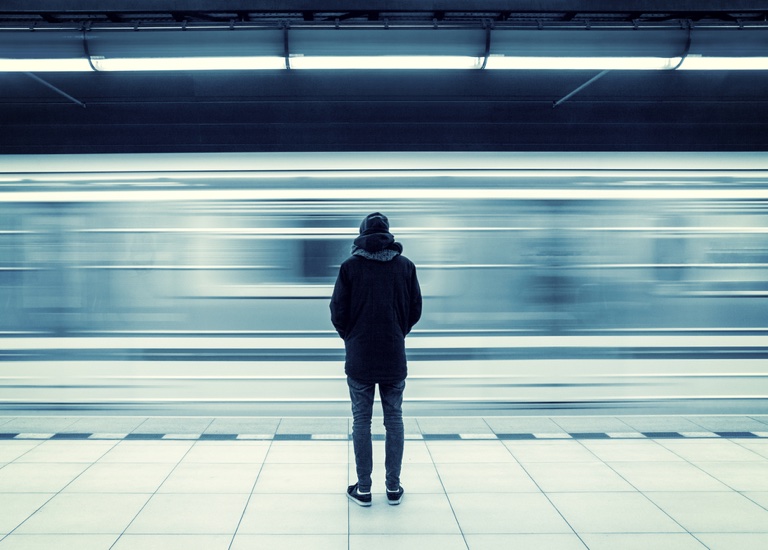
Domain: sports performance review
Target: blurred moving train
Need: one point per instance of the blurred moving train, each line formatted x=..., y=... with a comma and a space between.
x=550, y=280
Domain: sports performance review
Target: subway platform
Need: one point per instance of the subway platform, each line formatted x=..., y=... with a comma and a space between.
x=555, y=483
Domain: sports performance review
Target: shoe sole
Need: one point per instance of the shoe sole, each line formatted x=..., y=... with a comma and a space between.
x=394, y=502
x=358, y=502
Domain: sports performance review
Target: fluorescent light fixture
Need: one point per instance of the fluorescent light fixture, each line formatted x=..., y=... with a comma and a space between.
x=496, y=62
x=699, y=63
x=44, y=65
x=423, y=62
x=188, y=63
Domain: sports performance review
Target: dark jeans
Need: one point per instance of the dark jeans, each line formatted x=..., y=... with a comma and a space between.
x=362, y=395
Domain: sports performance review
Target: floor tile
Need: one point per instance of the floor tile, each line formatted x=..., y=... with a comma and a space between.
x=15, y=508
x=525, y=542
x=550, y=451
x=173, y=425
x=667, y=476
x=120, y=478
x=147, y=452
x=39, y=424
x=79, y=513
x=211, y=478
x=417, y=514
x=322, y=425
x=469, y=451
x=189, y=514
x=406, y=542
x=172, y=542
x=710, y=450
x=315, y=452
x=506, y=477
x=241, y=452
x=759, y=497
x=453, y=425
x=68, y=451
x=630, y=451
x=576, y=476
x=58, y=542
x=713, y=512
x=11, y=450
x=290, y=542
x=38, y=477
x=302, y=478
x=591, y=424
x=243, y=426
x=727, y=423
x=741, y=476
x=522, y=425
x=121, y=424
x=485, y=513
x=612, y=513
x=734, y=541
x=642, y=541
x=759, y=446
x=296, y=514
x=414, y=478
x=661, y=424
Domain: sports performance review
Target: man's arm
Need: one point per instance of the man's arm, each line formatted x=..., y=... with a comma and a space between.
x=340, y=304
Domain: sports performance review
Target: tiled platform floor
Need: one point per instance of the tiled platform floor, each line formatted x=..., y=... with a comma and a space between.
x=479, y=483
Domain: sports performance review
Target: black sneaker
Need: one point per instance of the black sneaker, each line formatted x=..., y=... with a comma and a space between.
x=394, y=497
x=354, y=495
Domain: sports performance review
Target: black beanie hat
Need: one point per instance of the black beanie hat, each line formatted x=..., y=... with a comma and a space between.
x=374, y=223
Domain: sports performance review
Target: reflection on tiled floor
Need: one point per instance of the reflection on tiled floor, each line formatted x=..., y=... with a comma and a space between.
x=471, y=483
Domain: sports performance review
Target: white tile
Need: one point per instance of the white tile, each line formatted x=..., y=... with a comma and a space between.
x=172, y=542
x=147, y=452
x=667, y=476
x=228, y=452
x=406, y=542
x=710, y=450
x=15, y=508
x=58, y=542
x=486, y=513
x=35, y=435
x=320, y=452
x=96, y=436
x=35, y=477
x=290, y=542
x=120, y=478
x=296, y=514
x=85, y=514
x=713, y=512
x=414, y=478
x=11, y=450
x=302, y=478
x=759, y=446
x=189, y=514
x=211, y=478
x=741, y=476
x=625, y=435
x=553, y=435
x=699, y=434
x=631, y=451
x=642, y=541
x=525, y=542
x=550, y=451
x=507, y=477
x=469, y=451
x=612, y=513
x=734, y=541
x=576, y=476
x=416, y=514
x=759, y=497
x=68, y=451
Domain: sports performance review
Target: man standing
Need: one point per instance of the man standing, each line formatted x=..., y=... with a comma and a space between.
x=375, y=304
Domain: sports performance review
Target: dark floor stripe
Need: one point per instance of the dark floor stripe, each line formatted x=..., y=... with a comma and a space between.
x=217, y=437
x=735, y=434
x=71, y=436
x=7, y=435
x=516, y=436
x=292, y=437
x=663, y=435
x=144, y=437
x=590, y=435
x=441, y=437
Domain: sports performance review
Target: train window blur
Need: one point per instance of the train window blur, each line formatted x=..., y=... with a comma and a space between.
x=548, y=266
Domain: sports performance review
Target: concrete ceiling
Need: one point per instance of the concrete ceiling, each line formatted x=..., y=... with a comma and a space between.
x=386, y=111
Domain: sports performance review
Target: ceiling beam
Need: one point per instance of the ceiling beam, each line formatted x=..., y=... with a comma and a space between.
x=533, y=6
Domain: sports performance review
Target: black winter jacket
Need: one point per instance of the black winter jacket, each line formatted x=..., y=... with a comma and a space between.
x=375, y=304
